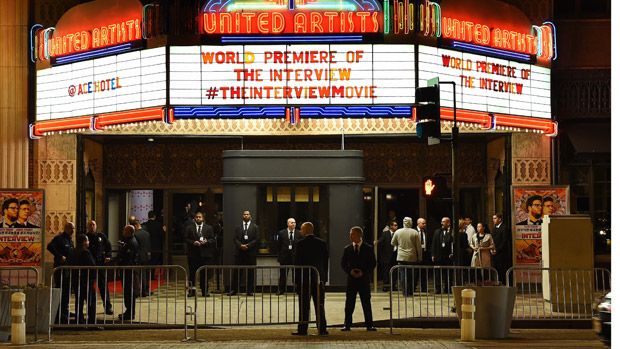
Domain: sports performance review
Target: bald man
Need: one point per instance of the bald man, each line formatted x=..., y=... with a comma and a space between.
x=287, y=238
x=311, y=251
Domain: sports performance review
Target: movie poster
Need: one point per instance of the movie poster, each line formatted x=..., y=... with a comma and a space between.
x=530, y=204
x=21, y=228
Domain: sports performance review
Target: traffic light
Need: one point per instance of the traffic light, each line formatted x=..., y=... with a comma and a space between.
x=426, y=112
x=434, y=187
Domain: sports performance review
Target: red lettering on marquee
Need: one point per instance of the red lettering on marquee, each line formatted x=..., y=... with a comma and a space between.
x=95, y=38
x=286, y=22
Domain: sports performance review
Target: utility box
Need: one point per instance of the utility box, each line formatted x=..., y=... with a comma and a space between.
x=567, y=252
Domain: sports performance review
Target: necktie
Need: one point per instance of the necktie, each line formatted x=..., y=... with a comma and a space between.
x=422, y=236
x=245, y=226
x=200, y=230
x=290, y=236
x=357, y=249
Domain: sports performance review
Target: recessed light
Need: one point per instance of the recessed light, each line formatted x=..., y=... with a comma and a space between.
x=150, y=139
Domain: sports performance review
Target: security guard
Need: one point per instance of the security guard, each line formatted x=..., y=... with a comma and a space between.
x=127, y=256
x=101, y=249
x=61, y=247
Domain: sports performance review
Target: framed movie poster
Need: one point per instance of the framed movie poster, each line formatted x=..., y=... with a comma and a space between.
x=529, y=205
x=21, y=227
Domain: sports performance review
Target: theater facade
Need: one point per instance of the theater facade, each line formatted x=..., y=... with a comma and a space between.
x=295, y=108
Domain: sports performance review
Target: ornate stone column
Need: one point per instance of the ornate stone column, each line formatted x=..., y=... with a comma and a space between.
x=531, y=159
x=14, y=94
x=55, y=172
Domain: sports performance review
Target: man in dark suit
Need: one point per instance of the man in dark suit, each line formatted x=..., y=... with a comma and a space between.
x=200, y=240
x=358, y=261
x=387, y=255
x=311, y=251
x=426, y=240
x=246, y=243
x=502, y=260
x=442, y=255
x=286, y=250
x=144, y=253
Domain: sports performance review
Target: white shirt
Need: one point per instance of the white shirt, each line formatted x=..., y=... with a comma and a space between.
x=470, y=231
x=407, y=240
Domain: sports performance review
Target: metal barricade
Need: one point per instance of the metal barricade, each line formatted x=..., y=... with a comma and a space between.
x=150, y=296
x=557, y=293
x=20, y=279
x=253, y=296
x=434, y=299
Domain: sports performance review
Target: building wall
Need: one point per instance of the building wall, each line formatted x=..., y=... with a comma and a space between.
x=14, y=139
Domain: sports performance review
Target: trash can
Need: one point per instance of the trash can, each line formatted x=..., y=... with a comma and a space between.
x=494, y=307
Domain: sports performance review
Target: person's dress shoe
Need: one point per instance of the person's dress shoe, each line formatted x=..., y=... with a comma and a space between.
x=125, y=317
x=232, y=293
x=299, y=333
x=371, y=329
x=191, y=293
x=109, y=312
x=386, y=289
x=206, y=294
x=345, y=329
x=249, y=294
x=323, y=333
x=280, y=293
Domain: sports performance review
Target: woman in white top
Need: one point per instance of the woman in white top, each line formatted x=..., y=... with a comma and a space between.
x=483, y=246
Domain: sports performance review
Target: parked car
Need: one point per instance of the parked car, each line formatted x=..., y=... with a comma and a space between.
x=601, y=321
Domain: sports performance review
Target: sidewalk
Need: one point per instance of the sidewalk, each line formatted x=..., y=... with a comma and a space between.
x=270, y=337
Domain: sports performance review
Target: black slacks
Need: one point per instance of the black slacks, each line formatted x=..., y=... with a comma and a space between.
x=318, y=298
x=355, y=286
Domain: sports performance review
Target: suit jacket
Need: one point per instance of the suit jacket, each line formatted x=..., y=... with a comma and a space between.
x=501, y=237
x=439, y=251
x=252, y=240
x=202, y=251
x=144, y=240
x=365, y=261
x=428, y=243
x=385, y=250
x=285, y=255
x=312, y=251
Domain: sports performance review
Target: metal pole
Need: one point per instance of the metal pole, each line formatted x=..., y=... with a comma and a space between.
x=455, y=182
x=376, y=228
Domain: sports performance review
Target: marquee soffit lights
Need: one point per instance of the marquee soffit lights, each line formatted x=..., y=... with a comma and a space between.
x=96, y=122
x=293, y=115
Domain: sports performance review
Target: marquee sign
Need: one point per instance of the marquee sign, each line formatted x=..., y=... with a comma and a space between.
x=292, y=75
x=123, y=82
x=488, y=84
x=275, y=17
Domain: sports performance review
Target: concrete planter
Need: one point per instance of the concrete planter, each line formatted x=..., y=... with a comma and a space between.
x=494, y=307
x=37, y=307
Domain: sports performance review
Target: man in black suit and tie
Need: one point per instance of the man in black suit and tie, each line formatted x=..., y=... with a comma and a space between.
x=286, y=249
x=387, y=255
x=502, y=260
x=358, y=261
x=311, y=251
x=426, y=239
x=246, y=243
x=200, y=241
x=442, y=254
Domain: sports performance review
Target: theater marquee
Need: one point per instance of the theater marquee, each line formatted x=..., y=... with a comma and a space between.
x=292, y=74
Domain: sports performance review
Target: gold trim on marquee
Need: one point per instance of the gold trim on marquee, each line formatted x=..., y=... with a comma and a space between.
x=277, y=127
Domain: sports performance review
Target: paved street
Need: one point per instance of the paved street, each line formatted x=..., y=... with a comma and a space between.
x=269, y=337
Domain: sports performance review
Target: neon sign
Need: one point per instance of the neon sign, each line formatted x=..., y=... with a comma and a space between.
x=52, y=46
x=539, y=41
x=103, y=26
x=227, y=17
